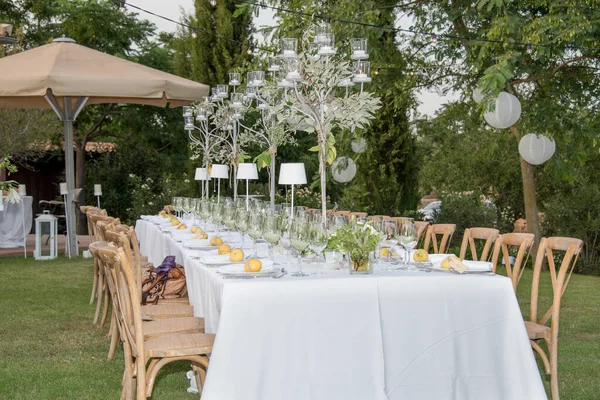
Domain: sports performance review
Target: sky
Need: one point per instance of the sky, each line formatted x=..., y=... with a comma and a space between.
x=430, y=102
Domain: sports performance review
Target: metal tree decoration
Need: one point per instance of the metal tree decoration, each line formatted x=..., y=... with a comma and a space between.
x=320, y=97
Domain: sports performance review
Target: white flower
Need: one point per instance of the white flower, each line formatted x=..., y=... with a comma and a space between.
x=132, y=176
x=13, y=196
x=186, y=180
x=150, y=203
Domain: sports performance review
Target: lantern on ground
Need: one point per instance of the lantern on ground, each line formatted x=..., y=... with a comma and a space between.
x=536, y=149
x=46, y=224
x=506, y=113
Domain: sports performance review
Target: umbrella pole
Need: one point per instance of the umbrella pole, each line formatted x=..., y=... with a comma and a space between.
x=68, y=114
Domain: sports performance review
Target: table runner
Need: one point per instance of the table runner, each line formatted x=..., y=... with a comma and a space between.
x=395, y=335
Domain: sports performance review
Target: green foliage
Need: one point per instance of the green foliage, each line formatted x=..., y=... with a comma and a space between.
x=356, y=239
x=466, y=210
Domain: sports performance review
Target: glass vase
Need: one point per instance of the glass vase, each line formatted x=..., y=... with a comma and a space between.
x=361, y=265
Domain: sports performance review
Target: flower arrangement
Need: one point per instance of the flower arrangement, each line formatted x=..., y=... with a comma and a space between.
x=12, y=196
x=358, y=240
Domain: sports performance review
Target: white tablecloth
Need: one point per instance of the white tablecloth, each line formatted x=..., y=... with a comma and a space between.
x=11, y=222
x=392, y=335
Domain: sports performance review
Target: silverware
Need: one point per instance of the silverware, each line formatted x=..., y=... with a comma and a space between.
x=281, y=274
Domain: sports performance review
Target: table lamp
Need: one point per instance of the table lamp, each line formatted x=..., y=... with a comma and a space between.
x=98, y=192
x=64, y=191
x=247, y=171
x=22, y=190
x=292, y=174
x=201, y=175
x=219, y=171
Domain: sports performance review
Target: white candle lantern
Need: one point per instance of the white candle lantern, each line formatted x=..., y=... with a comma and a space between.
x=202, y=114
x=359, y=49
x=274, y=65
x=46, y=223
x=321, y=32
x=289, y=47
x=258, y=78
x=327, y=44
x=235, y=79
x=188, y=111
x=362, y=69
x=222, y=91
x=236, y=100
x=189, y=123
x=293, y=70
x=313, y=52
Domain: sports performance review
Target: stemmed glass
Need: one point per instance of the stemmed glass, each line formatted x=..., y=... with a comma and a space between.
x=241, y=223
x=177, y=206
x=318, y=241
x=390, y=231
x=205, y=212
x=229, y=218
x=407, y=236
x=217, y=215
x=255, y=228
x=272, y=231
x=187, y=207
x=300, y=240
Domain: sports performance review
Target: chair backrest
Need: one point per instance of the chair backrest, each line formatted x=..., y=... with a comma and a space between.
x=379, y=217
x=446, y=230
x=122, y=240
x=488, y=235
x=358, y=214
x=421, y=228
x=129, y=313
x=100, y=218
x=520, y=241
x=560, y=278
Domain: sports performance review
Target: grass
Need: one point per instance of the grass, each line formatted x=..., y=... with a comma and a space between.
x=49, y=348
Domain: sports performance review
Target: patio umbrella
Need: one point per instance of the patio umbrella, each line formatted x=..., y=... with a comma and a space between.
x=66, y=76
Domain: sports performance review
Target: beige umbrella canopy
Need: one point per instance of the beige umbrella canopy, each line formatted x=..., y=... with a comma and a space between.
x=65, y=76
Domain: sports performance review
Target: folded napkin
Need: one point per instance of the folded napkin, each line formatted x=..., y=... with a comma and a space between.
x=218, y=259
x=203, y=253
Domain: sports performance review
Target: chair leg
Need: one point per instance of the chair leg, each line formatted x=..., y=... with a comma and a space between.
x=106, y=305
x=99, y=298
x=114, y=338
x=554, y=371
x=128, y=376
x=141, y=378
x=95, y=284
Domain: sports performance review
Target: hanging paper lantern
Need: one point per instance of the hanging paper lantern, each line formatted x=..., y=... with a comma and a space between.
x=536, y=149
x=478, y=95
x=343, y=169
x=506, y=113
x=359, y=145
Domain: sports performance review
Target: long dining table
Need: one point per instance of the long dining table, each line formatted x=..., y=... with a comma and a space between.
x=390, y=335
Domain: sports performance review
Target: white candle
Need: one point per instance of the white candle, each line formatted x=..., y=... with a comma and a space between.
x=234, y=82
x=22, y=190
x=236, y=104
x=97, y=190
x=63, y=189
x=257, y=82
x=289, y=53
x=325, y=49
x=359, y=53
x=293, y=75
x=274, y=68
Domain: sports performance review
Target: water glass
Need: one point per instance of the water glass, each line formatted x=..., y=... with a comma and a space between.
x=299, y=240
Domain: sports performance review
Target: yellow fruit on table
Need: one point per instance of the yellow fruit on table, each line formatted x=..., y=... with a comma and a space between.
x=174, y=221
x=162, y=213
x=224, y=249
x=196, y=229
x=421, y=256
x=384, y=252
x=182, y=226
x=446, y=261
x=216, y=241
x=236, y=255
x=252, y=265
x=201, y=236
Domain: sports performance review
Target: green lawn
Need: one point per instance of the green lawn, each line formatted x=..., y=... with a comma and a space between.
x=49, y=348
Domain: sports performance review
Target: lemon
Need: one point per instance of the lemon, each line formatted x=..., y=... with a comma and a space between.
x=252, y=265
x=201, y=236
x=216, y=241
x=174, y=221
x=384, y=252
x=421, y=256
x=182, y=226
x=195, y=229
x=446, y=262
x=236, y=255
x=224, y=249
x=162, y=213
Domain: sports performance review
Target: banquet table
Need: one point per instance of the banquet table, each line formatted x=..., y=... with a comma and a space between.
x=11, y=222
x=391, y=335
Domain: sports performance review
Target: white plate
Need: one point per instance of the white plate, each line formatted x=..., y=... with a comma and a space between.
x=237, y=269
x=202, y=253
x=223, y=259
x=183, y=235
x=474, y=267
x=198, y=244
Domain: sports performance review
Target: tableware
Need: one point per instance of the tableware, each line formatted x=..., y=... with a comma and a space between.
x=407, y=237
x=318, y=241
x=299, y=240
x=238, y=269
x=181, y=236
x=474, y=267
x=197, y=244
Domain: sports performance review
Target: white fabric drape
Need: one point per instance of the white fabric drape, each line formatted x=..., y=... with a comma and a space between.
x=11, y=222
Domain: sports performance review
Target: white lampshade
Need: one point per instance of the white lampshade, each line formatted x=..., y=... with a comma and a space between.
x=97, y=190
x=220, y=171
x=247, y=171
x=292, y=174
x=506, y=113
x=536, y=149
x=22, y=190
x=63, y=189
x=201, y=174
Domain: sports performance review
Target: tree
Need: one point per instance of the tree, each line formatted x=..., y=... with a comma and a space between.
x=544, y=52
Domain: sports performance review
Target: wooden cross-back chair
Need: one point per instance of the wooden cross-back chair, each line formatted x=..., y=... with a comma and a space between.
x=101, y=225
x=379, y=217
x=520, y=241
x=89, y=212
x=421, y=229
x=537, y=328
x=144, y=357
x=345, y=214
x=431, y=237
x=488, y=235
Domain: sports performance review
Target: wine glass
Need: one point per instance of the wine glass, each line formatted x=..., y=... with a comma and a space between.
x=389, y=230
x=229, y=217
x=255, y=227
x=407, y=236
x=187, y=206
x=217, y=215
x=300, y=240
x=272, y=231
x=318, y=241
x=241, y=223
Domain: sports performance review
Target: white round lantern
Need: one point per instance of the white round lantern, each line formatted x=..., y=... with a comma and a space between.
x=478, y=95
x=536, y=149
x=359, y=145
x=506, y=113
x=343, y=169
